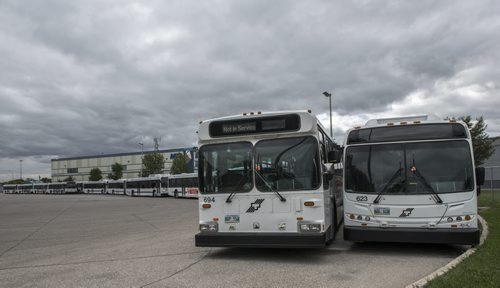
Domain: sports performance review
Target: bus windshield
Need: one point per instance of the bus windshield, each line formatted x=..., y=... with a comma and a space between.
x=226, y=168
x=287, y=164
x=409, y=168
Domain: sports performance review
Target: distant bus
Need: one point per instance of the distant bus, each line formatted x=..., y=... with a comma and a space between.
x=72, y=188
x=26, y=188
x=94, y=187
x=183, y=185
x=40, y=188
x=150, y=186
x=411, y=179
x=57, y=187
x=9, y=188
x=268, y=180
x=115, y=187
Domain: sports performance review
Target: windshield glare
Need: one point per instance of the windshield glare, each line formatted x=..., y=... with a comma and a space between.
x=287, y=164
x=225, y=168
x=412, y=168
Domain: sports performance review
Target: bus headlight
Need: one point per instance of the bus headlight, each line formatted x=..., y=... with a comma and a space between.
x=209, y=227
x=310, y=227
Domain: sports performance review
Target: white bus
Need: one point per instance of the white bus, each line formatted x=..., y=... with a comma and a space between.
x=94, y=187
x=411, y=179
x=26, y=188
x=149, y=186
x=40, y=188
x=183, y=185
x=9, y=188
x=57, y=188
x=267, y=180
x=72, y=188
x=115, y=187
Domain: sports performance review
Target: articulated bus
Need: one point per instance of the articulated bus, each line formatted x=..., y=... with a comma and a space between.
x=183, y=185
x=267, y=180
x=150, y=186
x=411, y=179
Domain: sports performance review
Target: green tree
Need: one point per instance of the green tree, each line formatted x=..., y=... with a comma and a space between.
x=116, y=171
x=180, y=164
x=46, y=180
x=16, y=181
x=153, y=164
x=69, y=179
x=95, y=174
x=482, y=144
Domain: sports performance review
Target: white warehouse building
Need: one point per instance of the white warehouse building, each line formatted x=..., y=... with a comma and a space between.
x=79, y=167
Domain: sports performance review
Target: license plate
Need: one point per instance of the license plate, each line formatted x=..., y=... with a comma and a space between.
x=232, y=219
x=382, y=211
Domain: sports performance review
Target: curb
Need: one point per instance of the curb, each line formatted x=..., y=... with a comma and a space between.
x=443, y=270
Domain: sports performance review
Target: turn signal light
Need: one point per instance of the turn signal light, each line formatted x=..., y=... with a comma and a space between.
x=467, y=217
x=309, y=203
x=215, y=219
x=206, y=206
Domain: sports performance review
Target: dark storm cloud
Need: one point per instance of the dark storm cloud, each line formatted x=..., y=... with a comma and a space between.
x=92, y=77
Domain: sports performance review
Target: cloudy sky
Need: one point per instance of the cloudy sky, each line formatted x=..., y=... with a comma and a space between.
x=91, y=77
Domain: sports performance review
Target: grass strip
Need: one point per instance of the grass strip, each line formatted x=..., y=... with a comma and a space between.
x=482, y=269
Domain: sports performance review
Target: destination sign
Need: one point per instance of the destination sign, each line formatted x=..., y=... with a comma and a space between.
x=282, y=123
x=232, y=128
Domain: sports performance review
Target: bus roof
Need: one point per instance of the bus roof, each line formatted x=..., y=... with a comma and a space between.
x=408, y=119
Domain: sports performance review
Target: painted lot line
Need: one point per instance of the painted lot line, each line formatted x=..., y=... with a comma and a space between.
x=116, y=241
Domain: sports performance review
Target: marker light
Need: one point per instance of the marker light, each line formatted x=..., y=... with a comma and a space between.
x=416, y=122
x=300, y=218
x=351, y=216
x=309, y=203
x=206, y=206
x=390, y=124
x=403, y=123
x=215, y=219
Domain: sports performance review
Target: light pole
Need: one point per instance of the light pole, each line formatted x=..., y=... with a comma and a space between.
x=21, y=169
x=329, y=95
x=142, y=154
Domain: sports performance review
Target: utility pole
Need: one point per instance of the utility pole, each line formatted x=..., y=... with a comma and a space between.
x=142, y=155
x=21, y=169
x=329, y=95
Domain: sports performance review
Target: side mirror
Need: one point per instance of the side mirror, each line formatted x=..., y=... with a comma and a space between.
x=334, y=156
x=480, y=175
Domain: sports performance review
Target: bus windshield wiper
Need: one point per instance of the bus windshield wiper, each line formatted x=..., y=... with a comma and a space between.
x=283, y=199
x=426, y=184
x=386, y=187
x=228, y=199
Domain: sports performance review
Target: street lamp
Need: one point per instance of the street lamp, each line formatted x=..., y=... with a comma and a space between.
x=329, y=95
x=142, y=154
x=21, y=169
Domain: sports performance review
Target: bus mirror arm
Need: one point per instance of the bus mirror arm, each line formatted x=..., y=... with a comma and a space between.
x=480, y=175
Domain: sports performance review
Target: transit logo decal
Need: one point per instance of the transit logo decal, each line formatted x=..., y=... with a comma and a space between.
x=255, y=205
x=406, y=212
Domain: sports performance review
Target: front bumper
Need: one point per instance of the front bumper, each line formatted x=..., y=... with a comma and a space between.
x=410, y=235
x=261, y=240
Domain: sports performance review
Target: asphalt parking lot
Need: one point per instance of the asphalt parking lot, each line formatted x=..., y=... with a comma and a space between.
x=117, y=241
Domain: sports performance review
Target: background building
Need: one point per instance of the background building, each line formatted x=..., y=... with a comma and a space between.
x=79, y=167
x=492, y=167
